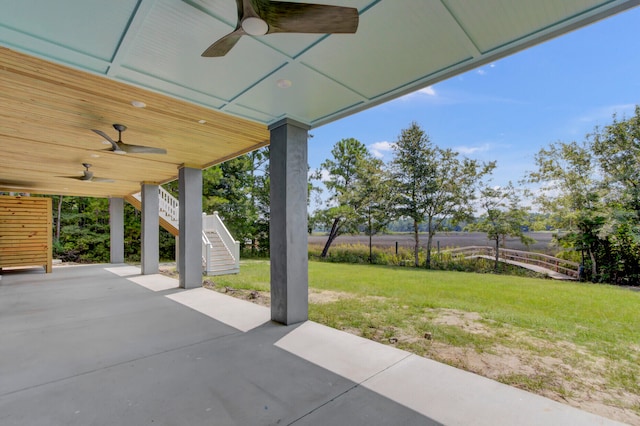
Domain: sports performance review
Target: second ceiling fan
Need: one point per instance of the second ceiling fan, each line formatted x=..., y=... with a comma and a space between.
x=260, y=17
x=87, y=176
x=120, y=147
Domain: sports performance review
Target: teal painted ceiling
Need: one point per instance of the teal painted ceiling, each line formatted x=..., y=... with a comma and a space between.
x=68, y=67
x=400, y=46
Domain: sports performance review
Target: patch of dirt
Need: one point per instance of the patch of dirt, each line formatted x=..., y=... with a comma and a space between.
x=548, y=369
x=262, y=298
x=466, y=321
x=561, y=371
x=169, y=271
x=321, y=297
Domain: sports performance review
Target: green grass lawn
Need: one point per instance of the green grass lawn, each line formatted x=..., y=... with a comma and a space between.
x=591, y=330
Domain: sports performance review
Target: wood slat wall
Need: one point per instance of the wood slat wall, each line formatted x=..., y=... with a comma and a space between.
x=25, y=232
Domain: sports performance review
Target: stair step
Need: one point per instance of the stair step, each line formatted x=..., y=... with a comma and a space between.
x=221, y=261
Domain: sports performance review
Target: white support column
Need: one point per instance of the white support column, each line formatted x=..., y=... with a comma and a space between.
x=116, y=226
x=150, y=253
x=288, y=222
x=190, y=219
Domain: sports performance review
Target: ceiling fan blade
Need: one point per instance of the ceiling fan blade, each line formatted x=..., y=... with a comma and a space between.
x=140, y=149
x=114, y=145
x=285, y=17
x=104, y=180
x=85, y=177
x=224, y=45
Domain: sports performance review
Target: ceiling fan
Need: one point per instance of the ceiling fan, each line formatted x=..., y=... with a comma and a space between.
x=120, y=147
x=260, y=17
x=87, y=176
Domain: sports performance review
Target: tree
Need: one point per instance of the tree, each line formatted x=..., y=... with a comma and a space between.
x=238, y=190
x=375, y=188
x=350, y=166
x=572, y=195
x=617, y=150
x=433, y=184
x=502, y=216
x=413, y=174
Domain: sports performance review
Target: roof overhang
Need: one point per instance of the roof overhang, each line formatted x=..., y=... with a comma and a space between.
x=69, y=67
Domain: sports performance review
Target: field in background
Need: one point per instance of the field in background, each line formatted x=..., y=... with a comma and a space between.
x=446, y=239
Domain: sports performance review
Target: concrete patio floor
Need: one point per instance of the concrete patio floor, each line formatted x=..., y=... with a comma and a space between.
x=104, y=345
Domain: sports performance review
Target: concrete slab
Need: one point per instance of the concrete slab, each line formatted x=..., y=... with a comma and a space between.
x=236, y=313
x=124, y=271
x=85, y=346
x=106, y=351
x=342, y=353
x=51, y=330
x=358, y=399
x=456, y=397
x=155, y=282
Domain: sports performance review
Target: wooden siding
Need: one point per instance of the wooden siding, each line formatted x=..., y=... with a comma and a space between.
x=25, y=232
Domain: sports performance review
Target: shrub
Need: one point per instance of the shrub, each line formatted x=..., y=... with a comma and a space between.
x=359, y=254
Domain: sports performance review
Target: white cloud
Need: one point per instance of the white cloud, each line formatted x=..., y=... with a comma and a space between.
x=428, y=91
x=379, y=148
x=601, y=116
x=468, y=150
x=606, y=113
x=482, y=71
x=324, y=174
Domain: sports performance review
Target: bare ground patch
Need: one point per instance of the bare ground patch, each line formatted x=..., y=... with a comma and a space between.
x=561, y=370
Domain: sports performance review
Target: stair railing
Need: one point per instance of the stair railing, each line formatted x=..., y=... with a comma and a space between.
x=206, y=252
x=214, y=223
x=169, y=207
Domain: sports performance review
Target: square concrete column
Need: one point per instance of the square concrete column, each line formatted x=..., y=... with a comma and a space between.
x=150, y=253
x=288, y=222
x=190, y=220
x=116, y=226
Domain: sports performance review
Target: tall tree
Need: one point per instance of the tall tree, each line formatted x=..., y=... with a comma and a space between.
x=414, y=176
x=617, y=150
x=260, y=199
x=572, y=194
x=378, y=198
x=433, y=184
x=227, y=189
x=350, y=164
x=502, y=216
x=238, y=190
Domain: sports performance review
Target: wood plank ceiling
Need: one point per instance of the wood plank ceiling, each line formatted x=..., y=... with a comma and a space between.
x=67, y=67
x=48, y=112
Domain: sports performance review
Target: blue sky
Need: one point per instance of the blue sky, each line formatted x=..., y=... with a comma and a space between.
x=506, y=111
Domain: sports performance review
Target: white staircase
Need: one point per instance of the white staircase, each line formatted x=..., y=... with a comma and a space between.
x=220, y=252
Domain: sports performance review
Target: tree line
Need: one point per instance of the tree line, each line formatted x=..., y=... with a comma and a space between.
x=588, y=191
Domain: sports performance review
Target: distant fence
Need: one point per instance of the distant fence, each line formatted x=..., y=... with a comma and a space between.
x=556, y=264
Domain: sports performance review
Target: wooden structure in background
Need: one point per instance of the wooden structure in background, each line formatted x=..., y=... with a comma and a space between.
x=25, y=232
